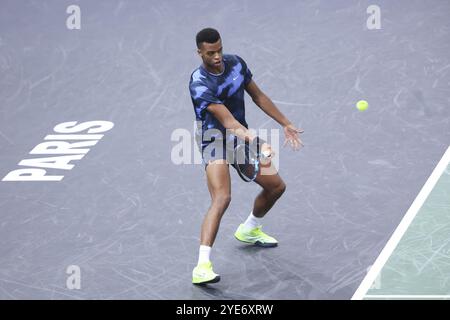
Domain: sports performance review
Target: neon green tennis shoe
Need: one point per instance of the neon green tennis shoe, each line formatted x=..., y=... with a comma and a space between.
x=203, y=274
x=255, y=236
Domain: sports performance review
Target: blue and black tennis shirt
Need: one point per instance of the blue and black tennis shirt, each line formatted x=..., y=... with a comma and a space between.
x=226, y=88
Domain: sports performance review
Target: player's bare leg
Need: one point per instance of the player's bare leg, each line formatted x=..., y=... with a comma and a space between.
x=219, y=185
x=273, y=188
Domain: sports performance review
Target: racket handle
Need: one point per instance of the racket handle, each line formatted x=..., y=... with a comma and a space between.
x=266, y=154
x=256, y=144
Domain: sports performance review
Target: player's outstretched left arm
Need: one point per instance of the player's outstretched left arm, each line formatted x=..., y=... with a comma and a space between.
x=264, y=103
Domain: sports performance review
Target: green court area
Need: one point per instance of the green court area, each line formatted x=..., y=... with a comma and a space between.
x=419, y=267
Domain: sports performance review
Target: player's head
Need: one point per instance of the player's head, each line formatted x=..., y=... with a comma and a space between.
x=209, y=47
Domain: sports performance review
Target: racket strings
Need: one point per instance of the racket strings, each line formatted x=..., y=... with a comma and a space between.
x=246, y=162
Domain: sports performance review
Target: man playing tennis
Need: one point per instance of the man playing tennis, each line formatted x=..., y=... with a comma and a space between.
x=217, y=92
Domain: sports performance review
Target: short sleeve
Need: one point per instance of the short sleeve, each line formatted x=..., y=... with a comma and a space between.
x=201, y=97
x=246, y=71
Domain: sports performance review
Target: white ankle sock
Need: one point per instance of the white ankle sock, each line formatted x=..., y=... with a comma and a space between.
x=203, y=255
x=252, y=222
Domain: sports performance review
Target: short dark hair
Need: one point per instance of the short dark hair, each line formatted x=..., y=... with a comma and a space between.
x=208, y=35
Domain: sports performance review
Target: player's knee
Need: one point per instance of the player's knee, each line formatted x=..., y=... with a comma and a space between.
x=279, y=189
x=222, y=200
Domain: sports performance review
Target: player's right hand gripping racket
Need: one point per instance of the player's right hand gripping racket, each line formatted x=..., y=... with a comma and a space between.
x=247, y=161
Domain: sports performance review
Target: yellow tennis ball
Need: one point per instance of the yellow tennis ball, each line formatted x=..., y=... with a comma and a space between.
x=362, y=105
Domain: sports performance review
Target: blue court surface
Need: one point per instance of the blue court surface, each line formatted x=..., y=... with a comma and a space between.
x=117, y=218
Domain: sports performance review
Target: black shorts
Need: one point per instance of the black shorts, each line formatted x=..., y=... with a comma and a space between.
x=217, y=150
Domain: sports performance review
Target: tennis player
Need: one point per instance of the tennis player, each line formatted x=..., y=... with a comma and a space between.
x=217, y=92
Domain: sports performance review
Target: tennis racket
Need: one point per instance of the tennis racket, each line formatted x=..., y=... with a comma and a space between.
x=247, y=161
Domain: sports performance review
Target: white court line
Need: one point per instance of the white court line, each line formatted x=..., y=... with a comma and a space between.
x=407, y=296
x=402, y=227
